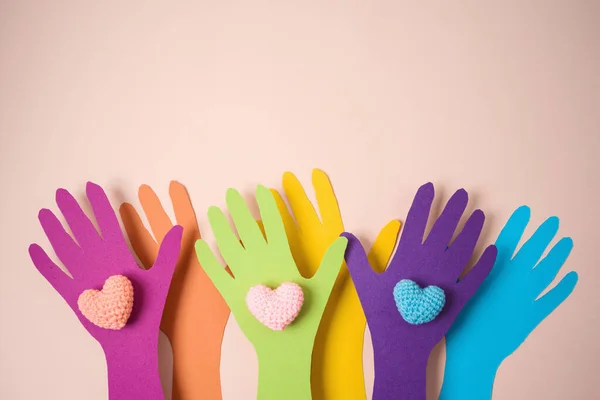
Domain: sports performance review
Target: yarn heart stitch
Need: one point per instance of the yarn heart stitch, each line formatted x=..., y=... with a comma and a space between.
x=110, y=307
x=418, y=306
x=277, y=308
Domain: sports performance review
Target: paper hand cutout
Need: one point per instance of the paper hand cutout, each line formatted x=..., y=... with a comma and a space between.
x=504, y=311
x=337, y=364
x=284, y=357
x=401, y=350
x=195, y=314
x=132, y=352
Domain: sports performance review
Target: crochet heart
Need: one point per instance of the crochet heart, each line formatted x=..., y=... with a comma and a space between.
x=110, y=307
x=418, y=306
x=277, y=308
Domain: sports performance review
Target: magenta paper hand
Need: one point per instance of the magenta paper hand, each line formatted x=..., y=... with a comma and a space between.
x=401, y=349
x=132, y=352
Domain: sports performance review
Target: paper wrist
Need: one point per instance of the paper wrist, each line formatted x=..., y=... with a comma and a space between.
x=284, y=376
x=132, y=369
x=400, y=371
x=192, y=360
x=467, y=377
x=337, y=370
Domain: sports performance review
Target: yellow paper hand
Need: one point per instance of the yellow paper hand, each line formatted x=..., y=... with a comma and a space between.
x=337, y=370
x=195, y=314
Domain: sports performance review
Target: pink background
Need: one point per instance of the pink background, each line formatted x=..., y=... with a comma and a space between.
x=499, y=97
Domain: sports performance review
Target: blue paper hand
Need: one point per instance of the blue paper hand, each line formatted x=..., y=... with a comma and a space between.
x=504, y=311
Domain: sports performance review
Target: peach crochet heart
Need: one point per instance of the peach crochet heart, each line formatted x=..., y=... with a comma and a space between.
x=277, y=308
x=110, y=307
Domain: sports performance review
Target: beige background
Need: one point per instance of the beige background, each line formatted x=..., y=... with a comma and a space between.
x=499, y=97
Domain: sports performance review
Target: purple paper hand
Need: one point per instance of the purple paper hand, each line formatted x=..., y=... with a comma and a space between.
x=132, y=352
x=401, y=350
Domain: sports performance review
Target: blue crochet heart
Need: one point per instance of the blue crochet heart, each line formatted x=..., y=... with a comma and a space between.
x=418, y=306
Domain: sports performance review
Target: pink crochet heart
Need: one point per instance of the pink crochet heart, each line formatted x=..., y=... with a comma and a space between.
x=277, y=308
x=110, y=307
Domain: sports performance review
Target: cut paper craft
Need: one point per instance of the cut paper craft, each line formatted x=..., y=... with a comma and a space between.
x=418, y=306
x=401, y=350
x=284, y=358
x=195, y=313
x=507, y=307
x=91, y=257
x=277, y=308
x=110, y=307
x=337, y=364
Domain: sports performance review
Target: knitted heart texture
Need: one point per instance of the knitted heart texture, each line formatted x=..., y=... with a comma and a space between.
x=418, y=306
x=277, y=308
x=110, y=307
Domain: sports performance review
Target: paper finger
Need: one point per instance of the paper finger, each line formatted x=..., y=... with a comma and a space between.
x=110, y=230
x=168, y=254
x=213, y=268
x=159, y=221
x=302, y=208
x=470, y=283
x=358, y=264
x=68, y=252
x=533, y=249
x=383, y=248
x=416, y=220
x=53, y=274
x=460, y=252
x=83, y=230
x=184, y=210
x=328, y=205
x=547, y=269
x=551, y=300
x=245, y=224
x=511, y=234
x=331, y=264
x=229, y=245
x=141, y=240
x=444, y=227
x=288, y=220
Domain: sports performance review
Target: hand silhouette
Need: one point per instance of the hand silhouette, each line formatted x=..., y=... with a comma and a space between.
x=284, y=357
x=132, y=352
x=337, y=364
x=401, y=349
x=195, y=314
x=504, y=311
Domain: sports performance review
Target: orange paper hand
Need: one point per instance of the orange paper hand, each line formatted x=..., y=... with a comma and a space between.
x=195, y=314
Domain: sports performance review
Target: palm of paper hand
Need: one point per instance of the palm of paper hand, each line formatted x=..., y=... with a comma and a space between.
x=262, y=336
x=484, y=319
x=426, y=273
x=271, y=271
x=429, y=262
x=143, y=314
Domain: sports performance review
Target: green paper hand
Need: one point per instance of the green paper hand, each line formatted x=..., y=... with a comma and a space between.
x=284, y=357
